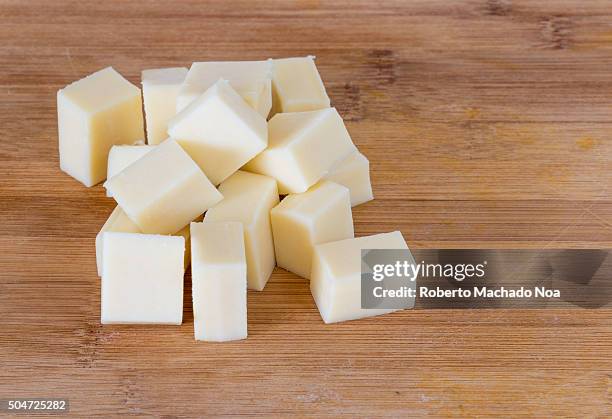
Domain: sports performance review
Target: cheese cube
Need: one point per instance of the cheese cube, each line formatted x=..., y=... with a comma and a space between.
x=336, y=276
x=164, y=190
x=297, y=85
x=119, y=222
x=220, y=131
x=121, y=156
x=300, y=221
x=93, y=114
x=219, y=284
x=354, y=173
x=142, y=278
x=251, y=79
x=303, y=147
x=160, y=89
x=248, y=198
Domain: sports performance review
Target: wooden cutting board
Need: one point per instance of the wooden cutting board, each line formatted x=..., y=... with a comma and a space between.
x=487, y=124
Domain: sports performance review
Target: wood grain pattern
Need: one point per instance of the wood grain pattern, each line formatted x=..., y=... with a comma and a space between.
x=487, y=123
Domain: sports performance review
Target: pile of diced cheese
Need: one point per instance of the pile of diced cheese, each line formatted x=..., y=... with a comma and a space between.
x=223, y=141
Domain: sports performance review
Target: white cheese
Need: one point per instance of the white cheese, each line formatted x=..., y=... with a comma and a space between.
x=319, y=215
x=93, y=114
x=335, y=282
x=164, y=190
x=297, y=85
x=220, y=131
x=302, y=148
x=142, y=278
x=219, y=281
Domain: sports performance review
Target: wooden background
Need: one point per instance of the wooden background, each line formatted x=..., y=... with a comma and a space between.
x=487, y=123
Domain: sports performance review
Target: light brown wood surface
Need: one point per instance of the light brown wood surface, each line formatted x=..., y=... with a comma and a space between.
x=487, y=124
